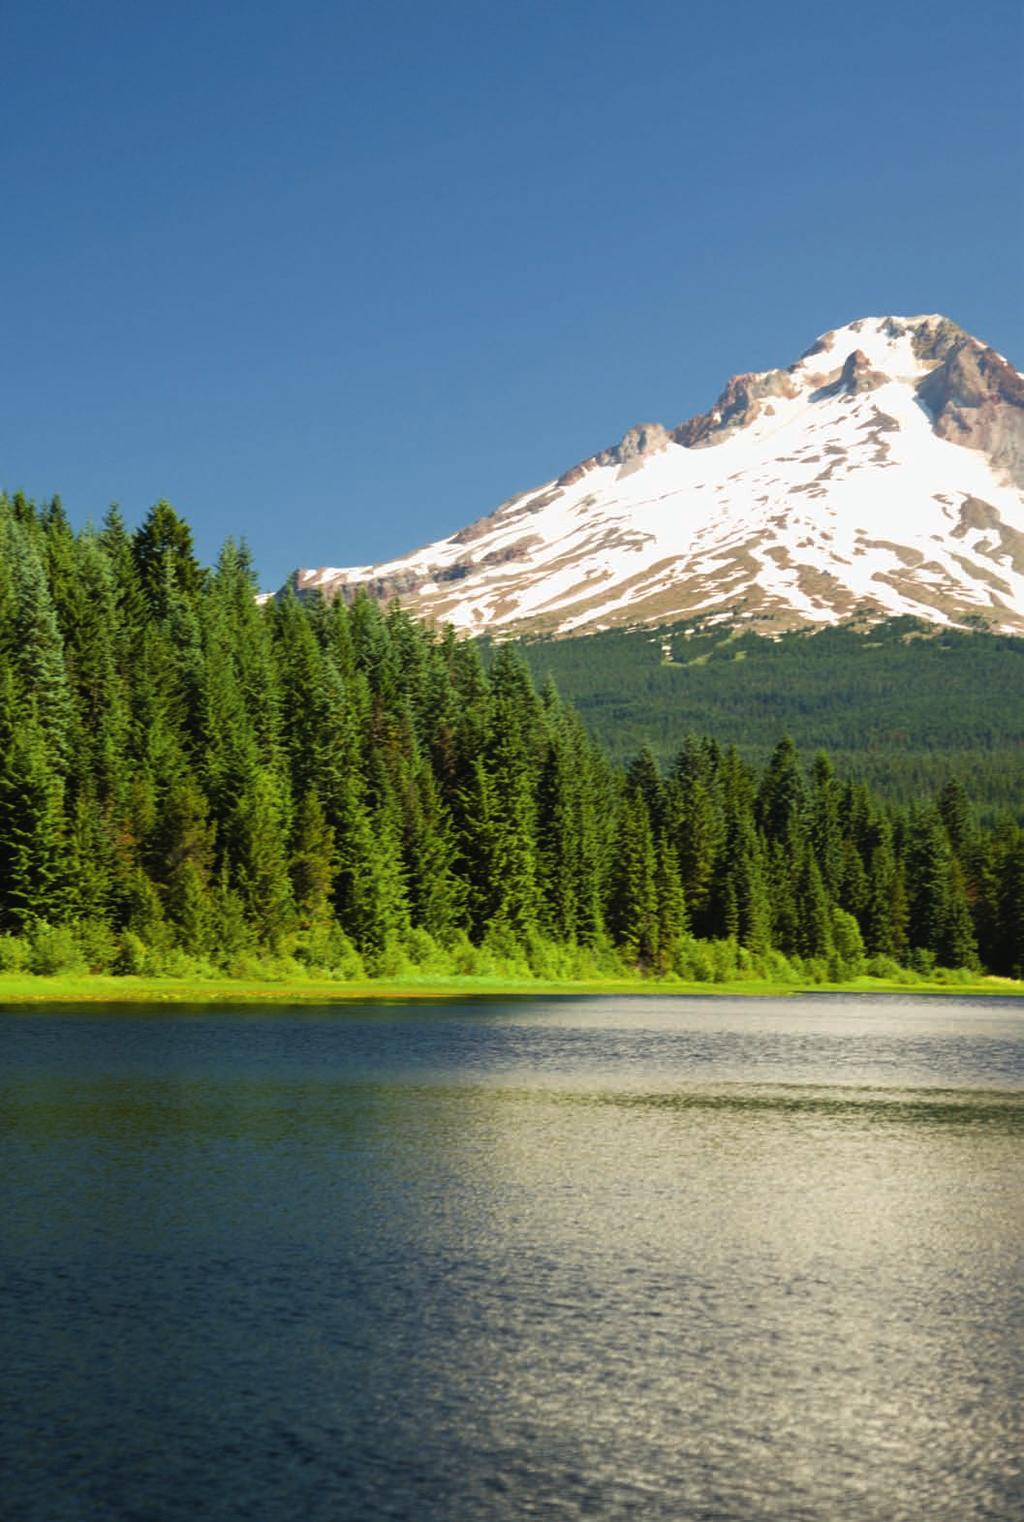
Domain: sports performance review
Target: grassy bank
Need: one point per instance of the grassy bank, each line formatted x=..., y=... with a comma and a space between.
x=27, y=988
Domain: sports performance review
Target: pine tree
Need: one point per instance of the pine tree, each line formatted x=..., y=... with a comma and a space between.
x=557, y=844
x=164, y=558
x=1011, y=907
x=696, y=827
x=255, y=837
x=815, y=919
x=37, y=649
x=955, y=812
x=643, y=777
x=633, y=908
x=929, y=883
x=671, y=904
x=959, y=947
x=825, y=828
x=312, y=863
x=35, y=861
x=436, y=892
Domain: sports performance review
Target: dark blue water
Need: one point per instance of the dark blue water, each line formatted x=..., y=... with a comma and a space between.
x=618, y=1258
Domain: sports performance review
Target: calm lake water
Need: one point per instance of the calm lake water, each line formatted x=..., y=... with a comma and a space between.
x=557, y=1258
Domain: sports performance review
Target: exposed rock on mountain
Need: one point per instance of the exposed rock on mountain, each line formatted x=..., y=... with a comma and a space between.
x=977, y=399
x=879, y=474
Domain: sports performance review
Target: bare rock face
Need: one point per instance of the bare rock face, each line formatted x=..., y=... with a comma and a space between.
x=858, y=376
x=644, y=439
x=739, y=404
x=977, y=399
x=933, y=340
x=382, y=588
x=636, y=444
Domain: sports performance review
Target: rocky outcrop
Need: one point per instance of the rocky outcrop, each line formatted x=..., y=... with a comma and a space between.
x=308, y=584
x=977, y=399
x=857, y=375
x=644, y=439
x=743, y=399
x=636, y=443
x=932, y=340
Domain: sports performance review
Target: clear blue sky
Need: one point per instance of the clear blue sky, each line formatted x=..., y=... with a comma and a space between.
x=341, y=277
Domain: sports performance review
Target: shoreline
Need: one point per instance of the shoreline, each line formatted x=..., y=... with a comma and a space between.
x=27, y=989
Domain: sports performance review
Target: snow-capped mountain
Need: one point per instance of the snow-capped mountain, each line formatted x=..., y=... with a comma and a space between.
x=882, y=473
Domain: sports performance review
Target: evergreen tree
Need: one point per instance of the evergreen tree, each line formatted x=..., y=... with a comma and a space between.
x=815, y=923
x=643, y=777
x=312, y=865
x=633, y=916
x=959, y=947
x=671, y=902
x=164, y=558
x=35, y=864
x=825, y=827
x=1011, y=908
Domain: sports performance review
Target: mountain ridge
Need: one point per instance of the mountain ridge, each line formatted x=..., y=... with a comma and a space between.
x=880, y=474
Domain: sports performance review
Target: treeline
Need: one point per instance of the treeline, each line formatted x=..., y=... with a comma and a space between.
x=902, y=706
x=190, y=780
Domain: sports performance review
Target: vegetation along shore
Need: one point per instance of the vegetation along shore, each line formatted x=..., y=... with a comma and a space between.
x=94, y=988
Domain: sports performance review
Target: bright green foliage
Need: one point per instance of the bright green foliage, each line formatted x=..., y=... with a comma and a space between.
x=188, y=774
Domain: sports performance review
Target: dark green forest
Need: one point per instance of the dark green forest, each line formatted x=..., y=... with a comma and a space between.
x=901, y=706
x=191, y=779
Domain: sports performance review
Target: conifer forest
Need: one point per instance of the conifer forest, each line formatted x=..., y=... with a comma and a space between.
x=193, y=779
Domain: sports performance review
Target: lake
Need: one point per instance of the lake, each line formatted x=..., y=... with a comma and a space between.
x=607, y=1258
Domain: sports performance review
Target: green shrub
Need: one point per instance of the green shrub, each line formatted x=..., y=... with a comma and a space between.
x=777, y=967
x=265, y=967
x=15, y=953
x=325, y=948
x=391, y=961
x=463, y=955
x=550, y=959
x=724, y=960
x=849, y=946
x=426, y=955
x=951, y=976
x=882, y=966
x=133, y=957
x=693, y=960
x=98, y=945
x=176, y=963
x=500, y=953
x=53, y=949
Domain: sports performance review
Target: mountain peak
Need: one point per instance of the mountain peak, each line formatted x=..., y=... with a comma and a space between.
x=881, y=473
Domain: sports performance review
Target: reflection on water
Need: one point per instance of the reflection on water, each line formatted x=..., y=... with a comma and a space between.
x=663, y=1259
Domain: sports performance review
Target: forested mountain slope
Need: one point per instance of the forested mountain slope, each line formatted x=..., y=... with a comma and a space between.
x=189, y=779
x=900, y=707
